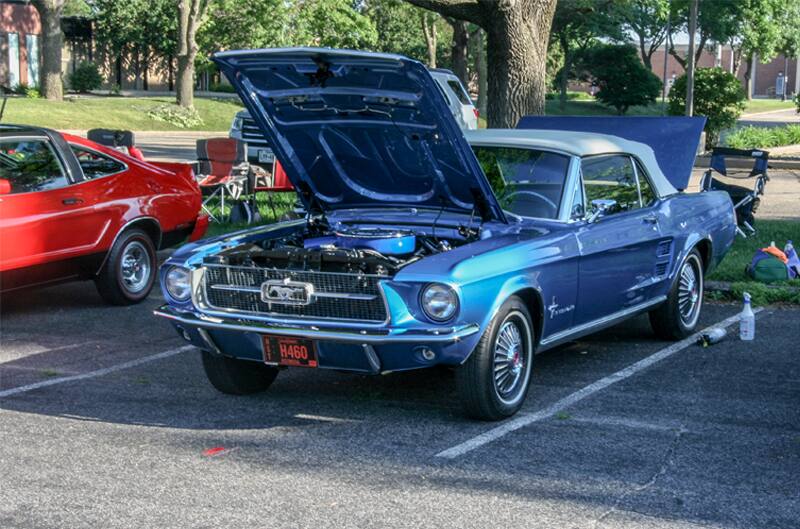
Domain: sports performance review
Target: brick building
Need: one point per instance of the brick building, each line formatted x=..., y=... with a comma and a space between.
x=20, y=56
x=764, y=77
x=20, y=53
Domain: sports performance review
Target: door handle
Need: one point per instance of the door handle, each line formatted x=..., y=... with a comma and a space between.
x=650, y=219
x=72, y=201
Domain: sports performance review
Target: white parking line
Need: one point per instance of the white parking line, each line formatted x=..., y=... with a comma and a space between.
x=97, y=373
x=527, y=419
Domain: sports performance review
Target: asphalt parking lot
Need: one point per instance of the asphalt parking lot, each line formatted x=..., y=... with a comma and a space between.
x=106, y=420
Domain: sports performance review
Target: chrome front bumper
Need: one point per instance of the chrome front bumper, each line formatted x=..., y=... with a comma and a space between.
x=386, y=335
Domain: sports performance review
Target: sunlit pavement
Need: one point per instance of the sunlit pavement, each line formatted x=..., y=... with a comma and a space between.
x=703, y=438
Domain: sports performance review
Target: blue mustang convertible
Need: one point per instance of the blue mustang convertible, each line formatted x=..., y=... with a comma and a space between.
x=423, y=246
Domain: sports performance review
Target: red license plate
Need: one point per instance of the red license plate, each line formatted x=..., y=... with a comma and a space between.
x=285, y=351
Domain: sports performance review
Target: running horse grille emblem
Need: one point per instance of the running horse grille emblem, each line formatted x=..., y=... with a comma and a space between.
x=287, y=292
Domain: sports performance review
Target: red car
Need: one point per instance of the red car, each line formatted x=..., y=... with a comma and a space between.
x=73, y=209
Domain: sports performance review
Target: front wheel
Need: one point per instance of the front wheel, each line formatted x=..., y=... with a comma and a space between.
x=237, y=377
x=494, y=381
x=677, y=317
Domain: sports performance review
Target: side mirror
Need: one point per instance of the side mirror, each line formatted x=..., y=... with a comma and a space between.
x=601, y=207
x=5, y=186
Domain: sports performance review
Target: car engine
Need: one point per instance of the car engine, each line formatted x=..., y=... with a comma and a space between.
x=354, y=250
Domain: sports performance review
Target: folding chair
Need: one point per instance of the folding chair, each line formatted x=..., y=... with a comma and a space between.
x=222, y=171
x=745, y=201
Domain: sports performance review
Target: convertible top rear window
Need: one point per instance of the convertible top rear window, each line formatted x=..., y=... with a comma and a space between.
x=527, y=182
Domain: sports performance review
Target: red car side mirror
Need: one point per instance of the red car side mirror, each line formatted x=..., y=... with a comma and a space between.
x=5, y=186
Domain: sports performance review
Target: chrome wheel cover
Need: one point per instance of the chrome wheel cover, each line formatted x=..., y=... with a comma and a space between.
x=690, y=291
x=135, y=267
x=512, y=358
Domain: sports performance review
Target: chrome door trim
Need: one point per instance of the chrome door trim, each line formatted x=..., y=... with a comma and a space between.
x=596, y=325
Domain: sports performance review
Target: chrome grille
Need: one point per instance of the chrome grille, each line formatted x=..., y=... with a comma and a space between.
x=252, y=134
x=335, y=295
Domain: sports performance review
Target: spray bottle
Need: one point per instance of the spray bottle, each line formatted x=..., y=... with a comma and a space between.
x=747, y=321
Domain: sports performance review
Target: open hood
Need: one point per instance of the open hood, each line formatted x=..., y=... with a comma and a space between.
x=674, y=139
x=355, y=129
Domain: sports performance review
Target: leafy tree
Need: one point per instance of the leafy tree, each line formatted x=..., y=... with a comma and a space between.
x=74, y=8
x=576, y=26
x=137, y=33
x=52, y=87
x=398, y=32
x=333, y=23
x=760, y=30
x=623, y=80
x=647, y=21
x=717, y=21
x=517, y=36
x=266, y=21
x=718, y=95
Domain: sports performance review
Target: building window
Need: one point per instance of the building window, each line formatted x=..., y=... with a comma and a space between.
x=13, y=60
x=32, y=46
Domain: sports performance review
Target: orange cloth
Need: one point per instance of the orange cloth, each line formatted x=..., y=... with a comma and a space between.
x=777, y=252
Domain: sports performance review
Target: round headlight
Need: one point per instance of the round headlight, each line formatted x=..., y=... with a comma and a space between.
x=178, y=283
x=439, y=302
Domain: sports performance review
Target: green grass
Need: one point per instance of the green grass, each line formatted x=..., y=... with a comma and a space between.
x=129, y=113
x=281, y=204
x=732, y=266
x=765, y=105
x=763, y=137
x=593, y=108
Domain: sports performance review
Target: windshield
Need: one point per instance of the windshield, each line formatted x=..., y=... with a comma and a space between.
x=527, y=182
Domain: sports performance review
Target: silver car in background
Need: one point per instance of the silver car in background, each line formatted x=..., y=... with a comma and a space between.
x=457, y=98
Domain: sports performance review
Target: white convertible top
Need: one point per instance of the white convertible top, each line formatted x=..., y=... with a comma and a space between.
x=576, y=144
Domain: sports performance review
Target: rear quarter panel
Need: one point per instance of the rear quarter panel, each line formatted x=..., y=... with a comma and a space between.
x=164, y=191
x=690, y=218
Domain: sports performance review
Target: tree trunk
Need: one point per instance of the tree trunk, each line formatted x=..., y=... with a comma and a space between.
x=646, y=57
x=480, y=65
x=748, y=73
x=563, y=81
x=51, y=85
x=459, y=50
x=184, y=82
x=429, y=31
x=517, y=35
x=189, y=14
x=118, y=68
x=171, y=73
x=146, y=75
x=517, y=53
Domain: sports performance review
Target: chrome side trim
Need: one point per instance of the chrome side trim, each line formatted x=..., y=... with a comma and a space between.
x=596, y=325
x=375, y=337
x=125, y=227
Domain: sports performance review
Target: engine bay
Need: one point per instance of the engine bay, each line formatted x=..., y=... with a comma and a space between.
x=356, y=250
